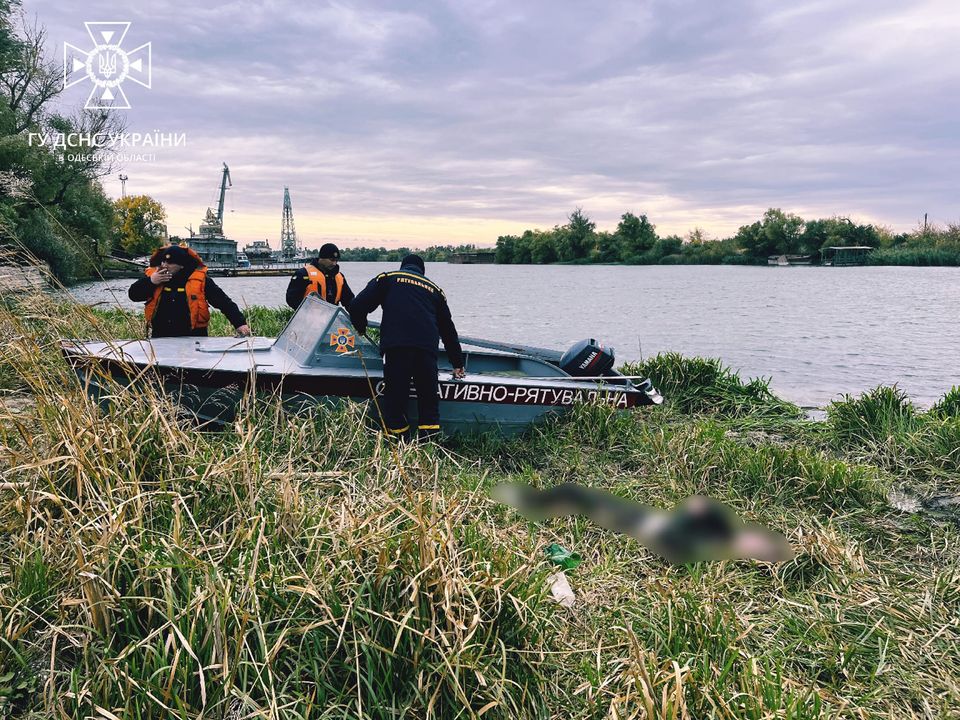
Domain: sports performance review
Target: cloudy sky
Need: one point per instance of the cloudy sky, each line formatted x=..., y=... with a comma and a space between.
x=446, y=122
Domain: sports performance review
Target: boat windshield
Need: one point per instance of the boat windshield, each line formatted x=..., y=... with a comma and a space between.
x=320, y=332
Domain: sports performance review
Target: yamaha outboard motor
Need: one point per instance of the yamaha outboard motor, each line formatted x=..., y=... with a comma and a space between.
x=587, y=358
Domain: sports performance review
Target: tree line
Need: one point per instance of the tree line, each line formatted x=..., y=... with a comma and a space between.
x=635, y=241
x=434, y=253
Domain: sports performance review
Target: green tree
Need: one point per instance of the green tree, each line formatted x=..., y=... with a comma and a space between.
x=837, y=232
x=140, y=224
x=506, y=244
x=28, y=80
x=820, y=233
x=783, y=231
x=521, y=250
x=636, y=237
x=51, y=201
x=779, y=233
x=701, y=251
x=607, y=249
x=9, y=42
x=542, y=248
x=668, y=246
x=578, y=238
x=752, y=240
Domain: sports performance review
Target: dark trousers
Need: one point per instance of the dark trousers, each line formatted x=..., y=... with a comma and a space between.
x=400, y=366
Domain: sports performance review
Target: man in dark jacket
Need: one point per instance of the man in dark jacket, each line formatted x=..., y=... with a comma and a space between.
x=321, y=276
x=415, y=318
x=178, y=295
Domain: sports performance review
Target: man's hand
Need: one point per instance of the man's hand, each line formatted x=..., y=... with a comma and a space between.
x=243, y=331
x=161, y=276
x=459, y=373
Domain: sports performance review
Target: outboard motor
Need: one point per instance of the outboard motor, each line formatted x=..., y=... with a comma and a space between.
x=587, y=358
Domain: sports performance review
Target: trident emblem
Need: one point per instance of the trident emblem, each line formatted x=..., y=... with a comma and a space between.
x=107, y=64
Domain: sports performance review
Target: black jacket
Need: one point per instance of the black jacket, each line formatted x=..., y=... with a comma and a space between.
x=172, y=317
x=415, y=313
x=299, y=281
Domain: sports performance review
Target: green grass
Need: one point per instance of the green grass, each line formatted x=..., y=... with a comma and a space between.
x=948, y=405
x=296, y=566
x=873, y=418
x=704, y=385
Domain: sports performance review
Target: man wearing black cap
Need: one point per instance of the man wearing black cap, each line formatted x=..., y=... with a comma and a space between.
x=178, y=295
x=321, y=276
x=415, y=318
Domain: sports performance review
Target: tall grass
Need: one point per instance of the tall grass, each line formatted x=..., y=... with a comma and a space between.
x=930, y=256
x=873, y=418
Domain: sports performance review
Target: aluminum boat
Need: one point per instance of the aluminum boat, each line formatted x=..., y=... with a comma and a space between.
x=320, y=358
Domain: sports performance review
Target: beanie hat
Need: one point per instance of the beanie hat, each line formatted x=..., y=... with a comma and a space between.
x=329, y=251
x=176, y=254
x=415, y=261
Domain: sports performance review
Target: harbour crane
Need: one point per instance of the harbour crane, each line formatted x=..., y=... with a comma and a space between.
x=212, y=225
x=288, y=233
x=223, y=192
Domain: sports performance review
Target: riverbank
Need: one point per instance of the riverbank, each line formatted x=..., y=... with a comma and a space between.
x=297, y=567
x=884, y=257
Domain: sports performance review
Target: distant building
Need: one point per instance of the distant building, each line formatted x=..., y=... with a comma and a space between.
x=259, y=252
x=480, y=257
x=210, y=243
x=214, y=250
x=845, y=255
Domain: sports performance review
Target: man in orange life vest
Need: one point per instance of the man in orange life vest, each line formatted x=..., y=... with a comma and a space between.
x=321, y=276
x=178, y=295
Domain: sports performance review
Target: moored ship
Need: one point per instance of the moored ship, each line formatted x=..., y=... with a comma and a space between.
x=259, y=252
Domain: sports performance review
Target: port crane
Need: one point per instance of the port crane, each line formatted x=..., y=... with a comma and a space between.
x=288, y=233
x=213, y=224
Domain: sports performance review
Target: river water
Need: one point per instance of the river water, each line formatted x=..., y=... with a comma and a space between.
x=816, y=333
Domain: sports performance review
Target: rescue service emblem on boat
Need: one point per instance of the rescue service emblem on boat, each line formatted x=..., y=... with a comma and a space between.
x=343, y=340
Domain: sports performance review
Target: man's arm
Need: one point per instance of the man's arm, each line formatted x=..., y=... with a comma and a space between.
x=296, y=288
x=142, y=290
x=448, y=334
x=365, y=303
x=218, y=298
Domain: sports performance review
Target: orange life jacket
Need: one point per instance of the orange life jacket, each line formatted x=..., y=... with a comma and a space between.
x=195, y=288
x=317, y=283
